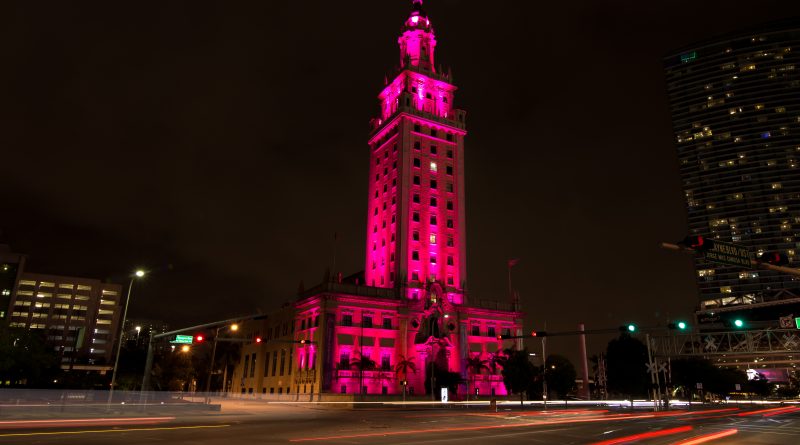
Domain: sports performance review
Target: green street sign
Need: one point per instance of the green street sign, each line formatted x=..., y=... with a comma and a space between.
x=729, y=253
x=183, y=339
x=797, y=322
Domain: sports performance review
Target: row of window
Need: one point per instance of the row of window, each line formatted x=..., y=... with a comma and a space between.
x=366, y=321
x=434, y=132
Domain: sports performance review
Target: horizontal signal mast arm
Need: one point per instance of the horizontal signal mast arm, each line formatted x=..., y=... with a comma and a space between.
x=754, y=263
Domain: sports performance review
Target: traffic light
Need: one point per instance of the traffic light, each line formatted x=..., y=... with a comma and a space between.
x=738, y=323
x=680, y=325
x=630, y=328
x=774, y=258
x=698, y=243
x=258, y=339
x=199, y=338
x=538, y=334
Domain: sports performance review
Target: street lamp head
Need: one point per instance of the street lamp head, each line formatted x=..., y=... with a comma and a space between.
x=234, y=327
x=185, y=348
x=138, y=328
x=139, y=273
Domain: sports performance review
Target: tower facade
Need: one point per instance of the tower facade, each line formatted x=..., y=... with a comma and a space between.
x=416, y=219
x=736, y=117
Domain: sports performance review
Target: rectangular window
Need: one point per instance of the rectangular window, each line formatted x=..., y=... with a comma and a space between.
x=449, y=152
x=433, y=183
x=416, y=162
x=433, y=149
x=416, y=126
x=415, y=217
x=387, y=323
x=253, y=366
x=415, y=276
x=450, y=241
x=415, y=236
x=416, y=180
x=490, y=332
x=449, y=223
x=266, y=364
x=347, y=320
x=246, y=365
x=433, y=220
x=434, y=167
x=433, y=202
x=476, y=330
x=344, y=360
x=417, y=145
x=366, y=321
x=433, y=238
x=343, y=389
x=386, y=362
x=283, y=360
x=274, y=362
x=415, y=255
x=449, y=187
x=449, y=170
x=415, y=198
x=449, y=260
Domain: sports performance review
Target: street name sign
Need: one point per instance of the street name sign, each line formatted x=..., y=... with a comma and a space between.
x=729, y=253
x=183, y=339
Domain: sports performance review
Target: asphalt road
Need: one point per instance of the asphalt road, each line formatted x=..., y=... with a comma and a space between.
x=285, y=424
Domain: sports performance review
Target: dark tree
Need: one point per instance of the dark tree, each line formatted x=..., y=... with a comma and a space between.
x=518, y=372
x=626, y=359
x=25, y=359
x=560, y=375
x=688, y=372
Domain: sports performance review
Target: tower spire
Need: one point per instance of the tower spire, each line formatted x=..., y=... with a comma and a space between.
x=417, y=40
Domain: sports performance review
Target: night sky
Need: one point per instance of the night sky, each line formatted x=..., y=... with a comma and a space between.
x=221, y=145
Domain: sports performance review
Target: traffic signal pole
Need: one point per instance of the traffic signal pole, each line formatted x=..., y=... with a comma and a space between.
x=755, y=263
x=148, y=367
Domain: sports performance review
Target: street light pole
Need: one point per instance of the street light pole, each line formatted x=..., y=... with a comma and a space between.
x=211, y=367
x=139, y=274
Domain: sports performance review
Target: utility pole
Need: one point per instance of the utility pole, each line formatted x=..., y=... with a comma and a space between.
x=585, y=393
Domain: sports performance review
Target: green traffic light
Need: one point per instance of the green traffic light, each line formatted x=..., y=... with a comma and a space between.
x=631, y=328
x=682, y=325
x=738, y=323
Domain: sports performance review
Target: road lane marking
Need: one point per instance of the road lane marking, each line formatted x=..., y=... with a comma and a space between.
x=99, y=421
x=647, y=435
x=122, y=430
x=707, y=437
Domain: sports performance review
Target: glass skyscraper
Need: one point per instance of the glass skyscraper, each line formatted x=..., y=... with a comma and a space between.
x=735, y=104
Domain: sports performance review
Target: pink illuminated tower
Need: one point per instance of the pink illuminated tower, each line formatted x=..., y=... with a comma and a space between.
x=415, y=222
x=410, y=328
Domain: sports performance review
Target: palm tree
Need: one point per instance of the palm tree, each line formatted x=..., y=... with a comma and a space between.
x=402, y=367
x=474, y=366
x=362, y=364
x=497, y=359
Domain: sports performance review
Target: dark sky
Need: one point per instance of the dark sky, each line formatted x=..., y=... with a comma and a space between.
x=228, y=139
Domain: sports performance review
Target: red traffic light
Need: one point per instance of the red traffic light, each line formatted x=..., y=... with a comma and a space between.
x=533, y=334
x=258, y=339
x=697, y=242
x=774, y=258
x=199, y=338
